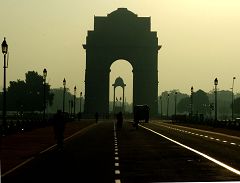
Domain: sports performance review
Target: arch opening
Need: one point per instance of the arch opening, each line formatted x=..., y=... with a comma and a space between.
x=123, y=69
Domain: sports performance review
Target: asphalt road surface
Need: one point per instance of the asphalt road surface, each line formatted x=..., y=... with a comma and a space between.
x=155, y=152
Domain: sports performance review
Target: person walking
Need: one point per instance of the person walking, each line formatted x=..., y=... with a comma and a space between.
x=119, y=120
x=59, y=127
x=96, y=116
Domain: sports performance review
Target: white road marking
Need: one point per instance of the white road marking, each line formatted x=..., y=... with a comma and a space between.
x=197, y=152
x=117, y=171
x=201, y=135
x=205, y=131
x=48, y=149
x=18, y=166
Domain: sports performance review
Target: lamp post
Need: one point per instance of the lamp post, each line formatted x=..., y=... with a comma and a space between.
x=4, y=51
x=80, y=102
x=74, y=101
x=175, y=105
x=120, y=103
x=44, y=93
x=233, y=99
x=215, y=83
x=191, y=114
x=71, y=109
x=161, y=106
x=167, y=104
x=64, y=92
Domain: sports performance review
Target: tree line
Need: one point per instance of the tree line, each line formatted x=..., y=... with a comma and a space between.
x=28, y=96
x=203, y=103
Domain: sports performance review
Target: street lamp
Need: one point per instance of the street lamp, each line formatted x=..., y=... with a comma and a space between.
x=175, y=105
x=167, y=104
x=215, y=83
x=80, y=103
x=161, y=106
x=191, y=102
x=233, y=98
x=4, y=51
x=44, y=93
x=64, y=91
x=74, y=101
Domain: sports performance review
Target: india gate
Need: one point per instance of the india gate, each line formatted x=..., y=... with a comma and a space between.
x=121, y=35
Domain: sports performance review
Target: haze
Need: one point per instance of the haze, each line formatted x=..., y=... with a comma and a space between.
x=200, y=40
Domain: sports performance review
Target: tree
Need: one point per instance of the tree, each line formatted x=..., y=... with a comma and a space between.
x=58, y=100
x=224, y=103
x=16, y=95
x=184, y=105
x=171, y=106
x=200, y=102
x=236, y=105
x=28, y=95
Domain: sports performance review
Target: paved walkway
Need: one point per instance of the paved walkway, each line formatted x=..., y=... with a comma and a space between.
x=17, y=148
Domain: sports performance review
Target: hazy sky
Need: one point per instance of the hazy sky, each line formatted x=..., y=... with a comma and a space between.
x=200, y=40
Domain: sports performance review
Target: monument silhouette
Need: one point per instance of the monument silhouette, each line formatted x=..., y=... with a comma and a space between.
x=118, y=82
x=121, y=35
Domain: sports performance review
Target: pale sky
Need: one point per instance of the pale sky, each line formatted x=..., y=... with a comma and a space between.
x=200, y=40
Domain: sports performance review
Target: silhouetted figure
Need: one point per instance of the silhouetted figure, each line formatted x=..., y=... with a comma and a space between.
x=96, y=116
x=59, y=127
x=79, y=116
x=135, y=124
x=119, y=120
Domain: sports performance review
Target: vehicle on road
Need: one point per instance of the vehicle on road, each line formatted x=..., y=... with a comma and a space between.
x=141, y=113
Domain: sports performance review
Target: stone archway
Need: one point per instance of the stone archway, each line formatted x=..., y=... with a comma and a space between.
x=118, y=82
x=121, y=35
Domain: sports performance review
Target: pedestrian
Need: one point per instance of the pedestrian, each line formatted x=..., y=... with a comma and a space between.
x=119, y=120
x=96, y=117
x=59, y=127
x=79, y=116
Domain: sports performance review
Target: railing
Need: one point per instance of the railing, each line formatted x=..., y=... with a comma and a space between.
x=17, y=123
x=229, y=124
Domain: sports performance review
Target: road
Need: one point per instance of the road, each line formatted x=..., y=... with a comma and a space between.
x=156, y=152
